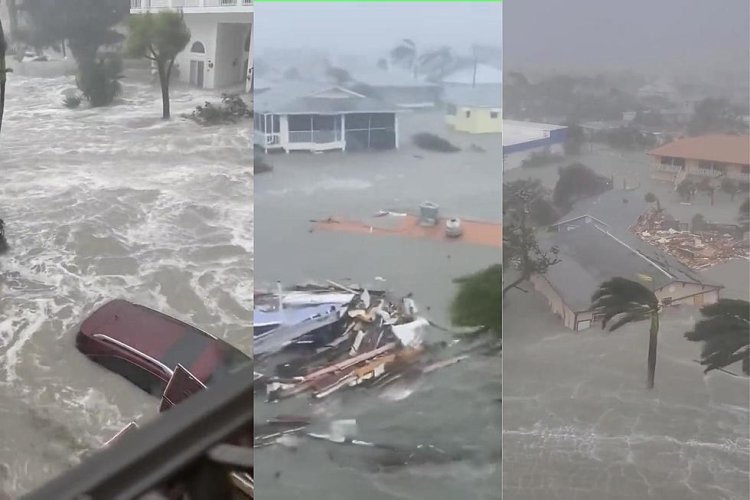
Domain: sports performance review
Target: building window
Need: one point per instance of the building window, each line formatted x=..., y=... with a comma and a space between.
x=678, y=162
x=494, y=115
x=198, y=48
x=468, y=113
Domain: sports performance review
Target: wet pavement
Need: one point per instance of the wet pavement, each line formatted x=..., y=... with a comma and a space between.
x=99, y=204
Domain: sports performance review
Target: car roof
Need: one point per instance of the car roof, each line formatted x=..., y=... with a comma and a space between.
x=157, y=335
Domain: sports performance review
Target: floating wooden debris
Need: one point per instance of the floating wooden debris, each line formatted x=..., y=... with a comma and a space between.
x=699, y=249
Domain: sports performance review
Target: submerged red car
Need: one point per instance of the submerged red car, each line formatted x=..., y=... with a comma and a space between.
x=146, y=347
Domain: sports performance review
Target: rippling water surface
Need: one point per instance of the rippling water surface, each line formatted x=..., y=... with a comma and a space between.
x=98, y=204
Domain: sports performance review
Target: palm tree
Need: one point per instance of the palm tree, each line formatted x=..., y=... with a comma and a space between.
x=626, y=301
x=725, y=333
x=437, y=62
x=406, y=55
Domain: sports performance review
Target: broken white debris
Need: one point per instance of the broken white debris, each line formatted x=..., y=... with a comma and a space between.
x=408, y=333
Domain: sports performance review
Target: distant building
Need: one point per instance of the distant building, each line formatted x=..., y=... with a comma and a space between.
x=475, y=110
x=594, y=245
x=304, y=116
x=522, y=139
x=710, y=156
x=219, y=52
x=397, y=87
x=481, y=74
x=660, y=89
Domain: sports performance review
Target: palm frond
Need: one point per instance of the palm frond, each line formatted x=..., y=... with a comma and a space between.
x=725, y=333
x=624, y=299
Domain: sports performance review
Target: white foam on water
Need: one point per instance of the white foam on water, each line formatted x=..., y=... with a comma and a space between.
x=112, y=203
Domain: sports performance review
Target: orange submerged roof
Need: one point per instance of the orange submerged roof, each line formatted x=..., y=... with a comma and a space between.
x=722, y=148
x=474, y=232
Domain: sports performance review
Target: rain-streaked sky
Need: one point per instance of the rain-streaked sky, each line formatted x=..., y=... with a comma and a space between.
x=375, y=27
x=627, y=33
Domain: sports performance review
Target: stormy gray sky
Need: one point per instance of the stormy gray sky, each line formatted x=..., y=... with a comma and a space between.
x=375, y=27
x=644, y=34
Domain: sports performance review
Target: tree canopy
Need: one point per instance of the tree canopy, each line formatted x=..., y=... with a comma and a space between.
x=159, y=38
x=478, y=302
x=577, y=181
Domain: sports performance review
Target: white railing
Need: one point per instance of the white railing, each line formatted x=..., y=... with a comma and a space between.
x=179, y=4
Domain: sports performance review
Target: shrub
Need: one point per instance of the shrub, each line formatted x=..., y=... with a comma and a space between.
x=231, y=110
x=432, y=142
x=99, y=81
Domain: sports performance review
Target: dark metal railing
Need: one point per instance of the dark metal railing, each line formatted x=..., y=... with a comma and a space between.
x=201, y=448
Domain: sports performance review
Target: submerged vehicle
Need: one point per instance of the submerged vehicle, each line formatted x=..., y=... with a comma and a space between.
x=152, y=350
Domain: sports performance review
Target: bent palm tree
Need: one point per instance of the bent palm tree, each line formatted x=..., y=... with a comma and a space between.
x=621, y=301
x=725, y=333
x=406, y=56
x=436, y=62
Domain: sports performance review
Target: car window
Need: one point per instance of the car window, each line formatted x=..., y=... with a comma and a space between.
x=232, y=358
x=134, y=373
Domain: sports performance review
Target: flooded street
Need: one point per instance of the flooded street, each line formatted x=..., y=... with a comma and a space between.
x=578, y=420
x=580, y=424
x=455, y=409
x=100, y=204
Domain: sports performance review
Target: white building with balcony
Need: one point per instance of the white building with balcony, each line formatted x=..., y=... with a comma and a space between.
x=219, y=55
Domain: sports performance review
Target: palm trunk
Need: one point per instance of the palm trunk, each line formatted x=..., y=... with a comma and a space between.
x=653, y=332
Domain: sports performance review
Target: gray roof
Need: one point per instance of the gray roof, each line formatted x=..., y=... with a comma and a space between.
x=298, y=97
x=589, y=256
x=481, y=96
x=611, y=209
x=391, y=78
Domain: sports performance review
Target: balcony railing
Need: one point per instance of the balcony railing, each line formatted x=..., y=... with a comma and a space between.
x=201, y=447
x=181, y=4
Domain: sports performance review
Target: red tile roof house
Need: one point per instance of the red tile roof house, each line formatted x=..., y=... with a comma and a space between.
x=709, y=156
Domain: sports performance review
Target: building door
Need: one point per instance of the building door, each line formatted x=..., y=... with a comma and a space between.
x=698, y=300
x=196, y=73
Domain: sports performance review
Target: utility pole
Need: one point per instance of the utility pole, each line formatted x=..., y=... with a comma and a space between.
x=3, y=73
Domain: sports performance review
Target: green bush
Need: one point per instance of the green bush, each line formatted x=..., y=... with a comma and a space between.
x=99, y=81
